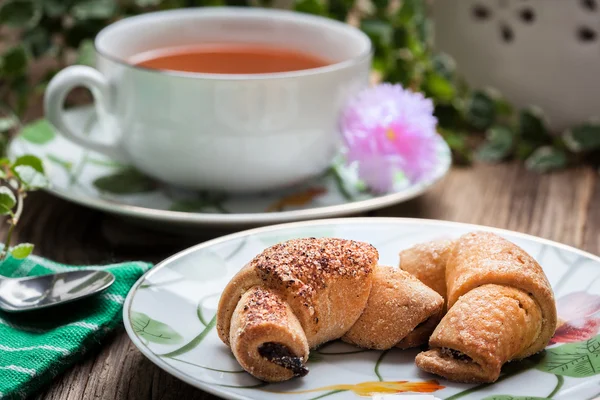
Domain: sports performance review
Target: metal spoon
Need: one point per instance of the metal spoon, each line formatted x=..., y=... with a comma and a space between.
x=37, y=292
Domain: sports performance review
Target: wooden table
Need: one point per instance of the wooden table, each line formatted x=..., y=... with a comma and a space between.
x=564, y=207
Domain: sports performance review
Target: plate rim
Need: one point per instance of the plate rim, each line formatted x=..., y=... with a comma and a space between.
x=216, y=390
x=263, y=218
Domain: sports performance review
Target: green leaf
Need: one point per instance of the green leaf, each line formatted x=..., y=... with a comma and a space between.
x=339, y=9
x=19, y=13
x=481, y=110
x=67, y=165
x=381, y=8
x=147, y=3
x=126, y=181
x=381, y=64
x=21, y=251
x=439, y=88
x=152, y=330
x=94, y=9
x=194, y=342
x=37, y=41
x=449, y=116
x=407, y=13
x=315, y=7
x=81, y=31
x=38, y=132
x=416, y=47
x=86, y=53
x=30, y=171
x=30, y=161
x=7, y=200
x=400, y=71
x=190, y=205
x=105, y=163
x=532, y=126
x=380, y=32
x=457, y=141
x=444, y=65
x=583, y=138
x=7, y=123
x=31, y=178
x=577, y=360
x=524, y=150
x=14, y=62
x=55, y=8
x=22, y=91
x=502, y=107
x=546, y=158
x=206, y=200
x=498, y=145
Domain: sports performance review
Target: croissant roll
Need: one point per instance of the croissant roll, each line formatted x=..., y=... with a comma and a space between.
x=491, y=325
x=427, y=262
x=266, y=337
x=420, y=335
x=500, y=308
x=398, y=303
x=324, y=283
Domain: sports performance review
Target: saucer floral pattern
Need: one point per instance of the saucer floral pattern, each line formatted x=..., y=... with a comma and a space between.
x=579, y=317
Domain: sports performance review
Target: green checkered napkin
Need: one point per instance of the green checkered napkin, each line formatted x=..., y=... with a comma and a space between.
x=37, y=346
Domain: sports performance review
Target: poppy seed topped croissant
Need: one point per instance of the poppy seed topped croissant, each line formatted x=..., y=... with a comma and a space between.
x=299, y=294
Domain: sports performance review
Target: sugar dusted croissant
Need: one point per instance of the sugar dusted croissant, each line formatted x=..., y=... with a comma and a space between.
x=500, y=308
x=427, y=262
x=301, y=293
x=401, y=311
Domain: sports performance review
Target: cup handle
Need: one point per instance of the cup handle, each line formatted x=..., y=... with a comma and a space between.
x=56, y=92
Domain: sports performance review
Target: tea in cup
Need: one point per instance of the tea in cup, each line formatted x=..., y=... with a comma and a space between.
x=225, y=99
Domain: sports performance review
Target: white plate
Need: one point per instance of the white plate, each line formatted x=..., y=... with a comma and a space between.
x=93, y=180
x=169, y=316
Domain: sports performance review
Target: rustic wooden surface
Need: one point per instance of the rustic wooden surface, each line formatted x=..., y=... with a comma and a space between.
x=564, y=207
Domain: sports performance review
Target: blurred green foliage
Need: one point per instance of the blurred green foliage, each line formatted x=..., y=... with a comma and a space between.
x=475, y=123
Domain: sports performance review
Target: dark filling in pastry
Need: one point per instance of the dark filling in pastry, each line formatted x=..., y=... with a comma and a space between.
x=457, y=355
x=282, y=356
x=421, y=324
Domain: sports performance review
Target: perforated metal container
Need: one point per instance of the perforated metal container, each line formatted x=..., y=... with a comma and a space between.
x=544, y=53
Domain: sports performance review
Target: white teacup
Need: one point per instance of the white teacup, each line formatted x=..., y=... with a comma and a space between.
x=236, y=133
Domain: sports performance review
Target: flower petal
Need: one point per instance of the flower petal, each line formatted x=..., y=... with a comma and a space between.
x=371, y=388
x=578, y=305
x=389, y=121
x=568, y=333
x=377, y=172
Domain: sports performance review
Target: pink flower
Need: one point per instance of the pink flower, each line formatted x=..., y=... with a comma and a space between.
x=389, y=129
x=579, y=317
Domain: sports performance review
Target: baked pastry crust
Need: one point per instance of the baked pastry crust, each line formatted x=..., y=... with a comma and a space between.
x=398, y=303
x=262, y=320
x=324, y=283
x=427, y=262
x=500, y=308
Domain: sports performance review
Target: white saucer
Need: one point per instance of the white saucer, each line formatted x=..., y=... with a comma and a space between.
x=93, y=180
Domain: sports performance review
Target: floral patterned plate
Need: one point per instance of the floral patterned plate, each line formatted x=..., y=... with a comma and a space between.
x=170, y=316
x=93, y=180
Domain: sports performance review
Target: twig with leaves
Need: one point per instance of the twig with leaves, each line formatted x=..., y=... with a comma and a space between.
x=18, y=177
